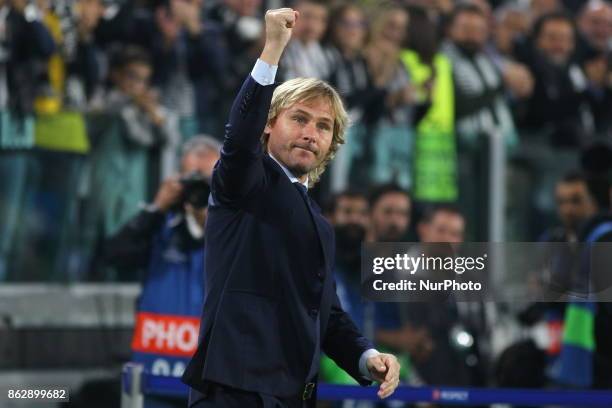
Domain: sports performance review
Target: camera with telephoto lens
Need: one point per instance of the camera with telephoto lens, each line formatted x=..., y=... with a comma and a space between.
x=195, y=189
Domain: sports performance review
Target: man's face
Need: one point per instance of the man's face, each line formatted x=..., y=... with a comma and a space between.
x=312, y=22
x=244, y=7
x=469, y=31
x=395, y=27
x=574, y=204
x=351, y=30
x=445, y=226
x=350, y=220
x=390, y=217
x=510, y=26
x=351, y=210
x=301, y=135
x=596, y=25
x=134, y=79
x=200, y=160
x=556, y=41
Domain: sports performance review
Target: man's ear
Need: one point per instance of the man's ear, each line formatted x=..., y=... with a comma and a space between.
x=269, y=126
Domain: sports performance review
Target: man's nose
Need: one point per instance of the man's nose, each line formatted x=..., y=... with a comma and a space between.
x=309, y=132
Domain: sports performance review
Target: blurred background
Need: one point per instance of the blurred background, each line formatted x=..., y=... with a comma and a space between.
x=470, y=122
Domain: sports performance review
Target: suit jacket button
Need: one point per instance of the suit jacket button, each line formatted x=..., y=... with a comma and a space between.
x=321, y=275
x=313, y=312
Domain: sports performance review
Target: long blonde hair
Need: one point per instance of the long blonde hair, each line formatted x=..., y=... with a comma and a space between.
x=304, y=90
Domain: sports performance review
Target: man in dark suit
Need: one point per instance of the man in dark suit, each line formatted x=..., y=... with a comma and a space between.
x=270, y=303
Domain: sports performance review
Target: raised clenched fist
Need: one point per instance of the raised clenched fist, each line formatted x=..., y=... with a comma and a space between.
x=279, y=26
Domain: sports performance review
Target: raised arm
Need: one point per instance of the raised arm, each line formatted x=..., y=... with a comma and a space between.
x=239, y=171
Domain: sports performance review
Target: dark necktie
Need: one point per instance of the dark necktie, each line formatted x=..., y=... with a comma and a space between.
x=302, y=189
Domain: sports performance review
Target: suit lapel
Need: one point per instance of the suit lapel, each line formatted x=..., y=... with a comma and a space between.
x=322, y=230
x=315, y=214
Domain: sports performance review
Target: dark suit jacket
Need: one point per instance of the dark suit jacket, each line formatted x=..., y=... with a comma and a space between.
x=268, y=271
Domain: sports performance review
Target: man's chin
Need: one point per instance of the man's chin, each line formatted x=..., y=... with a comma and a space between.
x=558, y=61
x=300, y=170
x=301, y=167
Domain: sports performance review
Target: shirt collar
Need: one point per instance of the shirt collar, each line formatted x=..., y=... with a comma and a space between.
x=292, y=178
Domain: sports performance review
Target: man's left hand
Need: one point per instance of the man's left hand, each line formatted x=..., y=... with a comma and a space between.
x=385, y=369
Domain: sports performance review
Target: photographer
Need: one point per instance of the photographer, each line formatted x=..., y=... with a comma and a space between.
x=166, y=240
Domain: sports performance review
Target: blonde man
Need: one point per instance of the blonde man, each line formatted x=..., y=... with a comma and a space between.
x=270, y=306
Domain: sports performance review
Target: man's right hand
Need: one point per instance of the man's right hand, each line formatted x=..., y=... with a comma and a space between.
x=279, y=26
x=168, y=194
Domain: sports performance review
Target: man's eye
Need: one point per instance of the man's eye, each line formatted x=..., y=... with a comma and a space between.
x=299, y=119
x=324, y=126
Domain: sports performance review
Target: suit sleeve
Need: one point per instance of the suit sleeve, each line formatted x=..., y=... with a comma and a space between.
x=239, y=171
x=343, y=342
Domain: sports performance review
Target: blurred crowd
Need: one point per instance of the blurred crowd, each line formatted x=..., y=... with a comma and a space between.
x=97, y=97
x=430, y=86
x=427, y=83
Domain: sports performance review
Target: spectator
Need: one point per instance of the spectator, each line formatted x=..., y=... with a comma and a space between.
x=350, y=208
x=135, y=141
x=305, y=56
x=74, y=74
x=51, y=86
x=390, y=213
x=386, y=137
x=434, y=144
x=27, y=45
x=84, y=57
x=382, y=53
x=147, y=122
x=186, y=52
x=345, y=39
x=188, y=55
x=511, y=24
x=448, y=365
x=574, y=207
x=510, y=27
x=442, y=224
x=480, y=108
x=559, y=106
x=346, y=36
x=594, y=48
x=166, y=239
x=595, y=28
x=350, y=218
x=240, y=23
x=586, y=363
